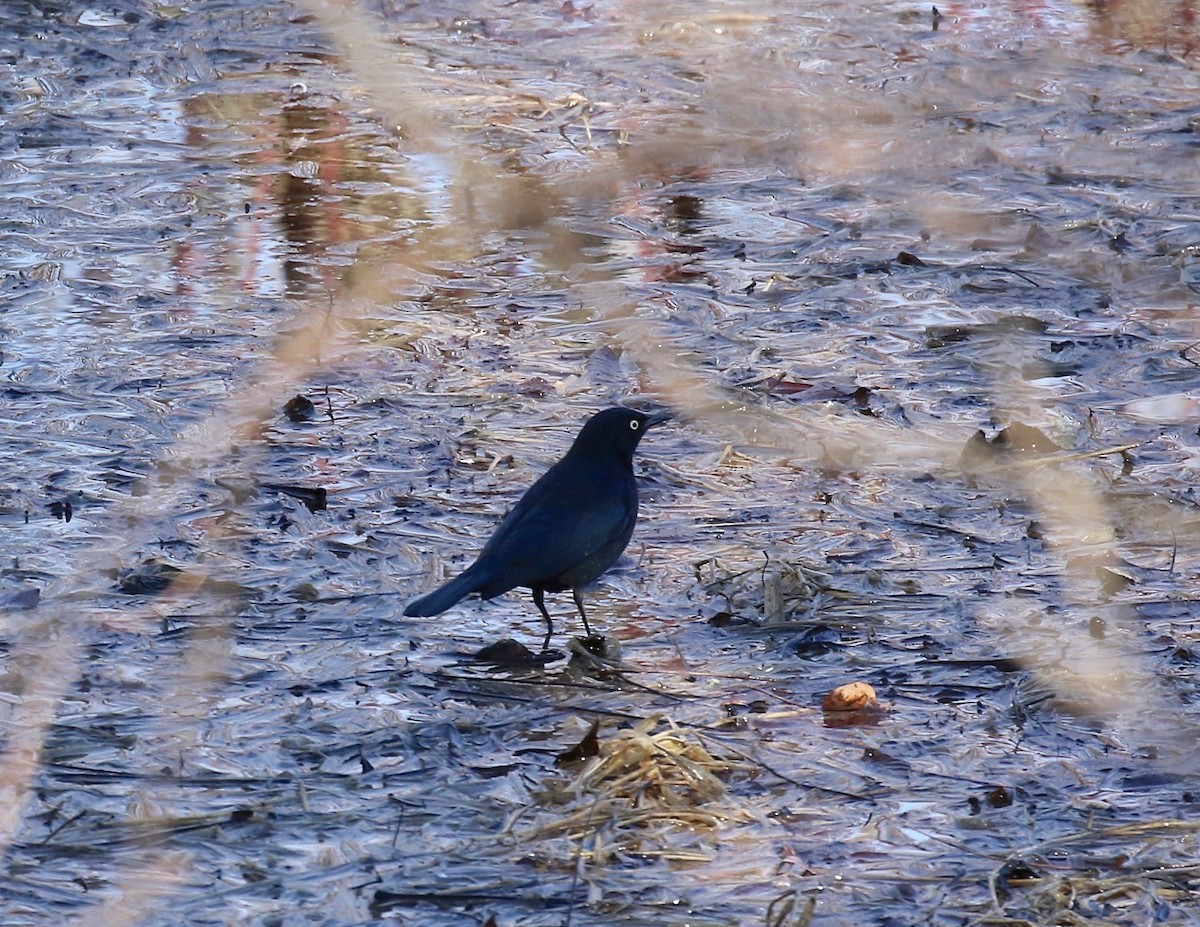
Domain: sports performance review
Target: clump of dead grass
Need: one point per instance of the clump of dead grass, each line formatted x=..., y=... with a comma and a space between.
x=646, y=786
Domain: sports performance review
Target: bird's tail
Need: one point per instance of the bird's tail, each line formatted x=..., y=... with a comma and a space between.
x=444, y=596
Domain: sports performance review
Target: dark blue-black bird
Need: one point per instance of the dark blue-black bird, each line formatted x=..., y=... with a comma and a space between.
x=568, y=528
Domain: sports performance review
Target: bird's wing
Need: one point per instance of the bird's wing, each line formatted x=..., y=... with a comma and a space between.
x=564, y=519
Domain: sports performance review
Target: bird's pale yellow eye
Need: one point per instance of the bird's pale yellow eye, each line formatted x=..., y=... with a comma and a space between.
x=633, y=426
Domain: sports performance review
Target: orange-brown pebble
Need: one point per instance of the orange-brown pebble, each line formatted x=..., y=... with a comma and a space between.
x=853, y=696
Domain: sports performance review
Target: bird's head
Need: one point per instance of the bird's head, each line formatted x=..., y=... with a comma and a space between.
x=618, y=429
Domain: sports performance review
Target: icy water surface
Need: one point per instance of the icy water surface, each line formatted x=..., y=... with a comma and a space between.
x=921, y=287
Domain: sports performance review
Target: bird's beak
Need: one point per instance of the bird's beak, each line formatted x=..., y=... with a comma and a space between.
x=658, y=417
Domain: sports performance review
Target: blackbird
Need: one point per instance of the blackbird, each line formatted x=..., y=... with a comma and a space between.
x=568, y=528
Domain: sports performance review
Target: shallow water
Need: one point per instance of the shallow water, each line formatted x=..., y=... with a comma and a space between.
x=837, y=241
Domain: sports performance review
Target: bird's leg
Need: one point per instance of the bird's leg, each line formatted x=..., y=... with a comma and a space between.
x=539, y=599
x=578, y=596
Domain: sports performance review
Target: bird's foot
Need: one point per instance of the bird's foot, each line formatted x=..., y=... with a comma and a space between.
x=596, y=647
